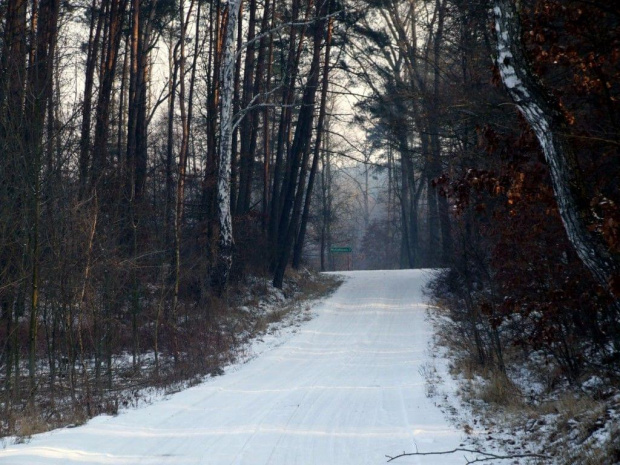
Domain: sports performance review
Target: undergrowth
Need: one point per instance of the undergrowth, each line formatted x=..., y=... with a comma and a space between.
x=250, y=308
x=528, y=403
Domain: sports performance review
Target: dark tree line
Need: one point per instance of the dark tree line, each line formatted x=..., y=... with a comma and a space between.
x=152, y=152
x=499, y=131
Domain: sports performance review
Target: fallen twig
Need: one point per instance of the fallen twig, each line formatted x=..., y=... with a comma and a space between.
x=487, y=456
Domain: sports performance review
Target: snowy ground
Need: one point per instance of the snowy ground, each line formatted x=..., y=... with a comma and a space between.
x=347, y=387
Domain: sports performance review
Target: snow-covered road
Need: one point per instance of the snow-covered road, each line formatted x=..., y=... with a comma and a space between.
x=347, y=388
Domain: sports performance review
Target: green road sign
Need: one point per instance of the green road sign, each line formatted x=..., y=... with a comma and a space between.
x=341, y=250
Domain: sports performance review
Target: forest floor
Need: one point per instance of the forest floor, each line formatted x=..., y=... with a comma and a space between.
x=344, y=383
x=530, y=410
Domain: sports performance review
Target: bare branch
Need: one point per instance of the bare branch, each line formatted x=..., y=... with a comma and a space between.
x=253, y=106
x=486, y=456
x=281, y=27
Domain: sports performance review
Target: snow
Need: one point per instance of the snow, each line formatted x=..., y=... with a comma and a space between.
x=347, y=387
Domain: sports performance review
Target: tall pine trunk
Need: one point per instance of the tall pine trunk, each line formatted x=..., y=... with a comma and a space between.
x=294, y=185
x=299, y=242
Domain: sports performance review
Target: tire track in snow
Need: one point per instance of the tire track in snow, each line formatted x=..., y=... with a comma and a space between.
x=345, y=389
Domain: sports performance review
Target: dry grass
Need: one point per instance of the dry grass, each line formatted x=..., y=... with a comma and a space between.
x=315, y=285
x=307, y=287
x=465, y=367
x=487, y=384
x=500, y=391
x=566, y=426
x=591, y=453
x=543, y=412
x=569, y=405
x=31, y=422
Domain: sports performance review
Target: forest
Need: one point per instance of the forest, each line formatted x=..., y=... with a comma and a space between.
x=156, y=154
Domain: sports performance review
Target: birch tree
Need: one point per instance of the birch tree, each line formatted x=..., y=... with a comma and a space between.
x=544, y=116
x=226, y=243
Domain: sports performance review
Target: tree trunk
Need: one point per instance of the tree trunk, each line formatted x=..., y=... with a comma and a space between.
x=91, y=62
x=267, y=142
x=223, y=265
x=183, y=152
x=435, y=141
x=45, y=19
x=290, y=75
x=246, y=128
x=299, y=243
x=234, y=151
x=209, y=190
x=295, y=186
x=542, y=112
x=173, y=70
x=108, y=73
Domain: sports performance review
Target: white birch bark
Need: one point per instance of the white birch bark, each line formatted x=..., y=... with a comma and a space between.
x=543, y=115
x=224, y=259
